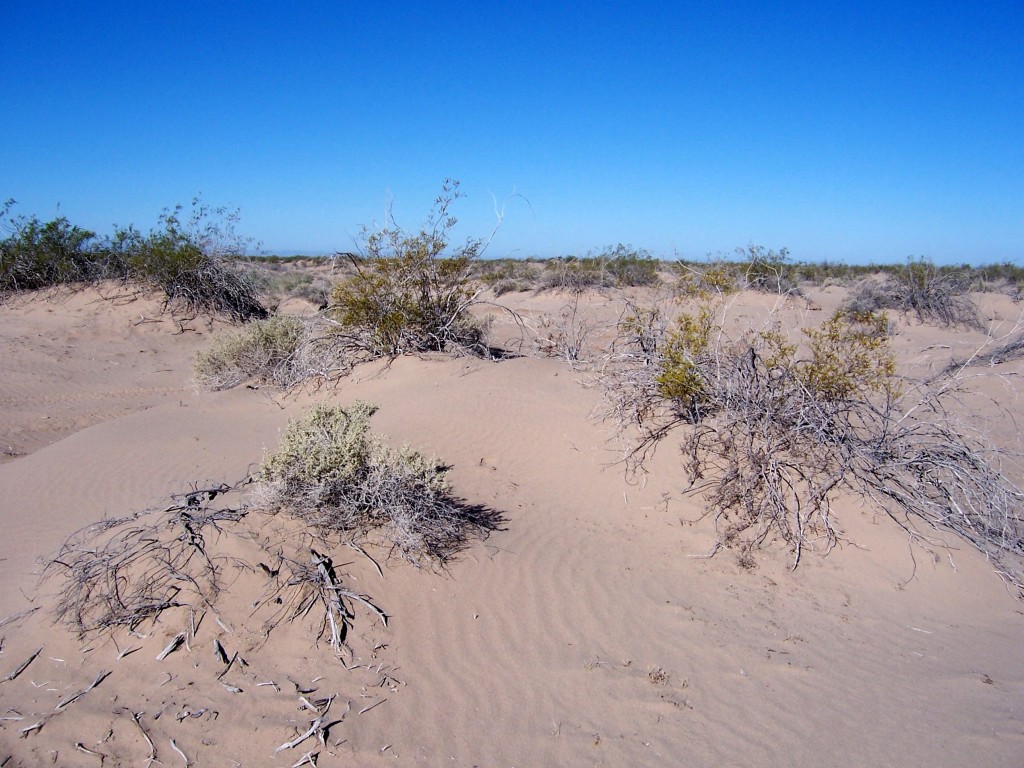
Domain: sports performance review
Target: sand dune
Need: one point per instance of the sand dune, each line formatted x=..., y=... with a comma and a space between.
x=589, y=630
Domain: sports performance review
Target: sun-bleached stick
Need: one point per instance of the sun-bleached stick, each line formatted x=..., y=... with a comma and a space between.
x=172, y=646
x=22, y=667
x=76, y=696
x=298, y=740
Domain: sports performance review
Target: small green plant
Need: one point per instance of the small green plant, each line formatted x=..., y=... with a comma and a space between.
x=684, y=359
x=850, y=357
x=263, y=350
x=409, y=294
x=333, y=473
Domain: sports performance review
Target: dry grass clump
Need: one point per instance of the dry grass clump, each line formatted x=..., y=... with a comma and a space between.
x=283, y=351
x=934, y=295
x=773, y=430
x=332, y=473
x=263, y=350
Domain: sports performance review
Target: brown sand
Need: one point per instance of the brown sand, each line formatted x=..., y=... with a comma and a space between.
x=590, y=631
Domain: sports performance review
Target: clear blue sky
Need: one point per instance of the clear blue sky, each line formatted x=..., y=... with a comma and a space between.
x=844, y=131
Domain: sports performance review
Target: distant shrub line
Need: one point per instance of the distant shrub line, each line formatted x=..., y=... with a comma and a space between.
x=192, y=260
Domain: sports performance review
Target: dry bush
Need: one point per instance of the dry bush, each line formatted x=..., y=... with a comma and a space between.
x=124, y=572
x=935, y=296
x=263, y=350
x=563, y=336
x=770, y=434
x=283, y=351
x=333, y=474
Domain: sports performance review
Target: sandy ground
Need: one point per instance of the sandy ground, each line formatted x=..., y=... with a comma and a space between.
x=589, y=630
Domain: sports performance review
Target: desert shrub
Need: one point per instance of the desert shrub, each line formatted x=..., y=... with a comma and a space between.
x=629, y=266
x=934, y=295
x=773, y=430
x=765, y=269
x=296, y=283
x=615, y=266
x=684, y=360
x=263, y=350
x=194, y=261
x=508, y=275
x=332, y=473
x=574, y=274
x=37, y=254
x=850, y=357
x=407, y=295
x=703, y=280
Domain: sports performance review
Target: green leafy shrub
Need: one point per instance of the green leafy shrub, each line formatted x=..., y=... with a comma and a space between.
x=37, y=254
x=333, y=473
x=684, y=358
x=194, y=261
x=630, y=267
x=719, y=278
x=263, y=350
x=850, y=357
x=407, y=295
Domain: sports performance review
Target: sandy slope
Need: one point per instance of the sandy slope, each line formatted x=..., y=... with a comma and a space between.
x=587, y=632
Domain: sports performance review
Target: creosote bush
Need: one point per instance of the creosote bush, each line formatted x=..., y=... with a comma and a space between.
x=332, y=473
x=409, y=293
x=772, y=430
x=195, y=260
x=265, y=351
x=39, y=255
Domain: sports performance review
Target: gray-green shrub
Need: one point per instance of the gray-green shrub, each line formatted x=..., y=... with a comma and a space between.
x=265, y=351
x=333, y=473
